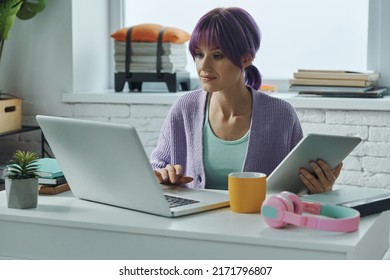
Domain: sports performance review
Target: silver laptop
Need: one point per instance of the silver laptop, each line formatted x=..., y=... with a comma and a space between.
x=106, y=163
x=333, y=149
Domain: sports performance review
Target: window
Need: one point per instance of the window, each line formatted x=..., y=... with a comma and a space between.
x=330, y=34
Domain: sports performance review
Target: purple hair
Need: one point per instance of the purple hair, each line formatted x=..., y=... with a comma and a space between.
x=235, y=33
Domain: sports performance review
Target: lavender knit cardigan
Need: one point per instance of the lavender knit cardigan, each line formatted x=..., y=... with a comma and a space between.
x=274, y=131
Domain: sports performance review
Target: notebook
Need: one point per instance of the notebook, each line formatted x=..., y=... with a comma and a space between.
x=365, y=200
x=106, y=163
x=333, y=149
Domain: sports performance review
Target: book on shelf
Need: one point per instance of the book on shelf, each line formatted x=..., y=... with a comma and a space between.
x=150, y=48
x=303, y=88
x=152, y=59
x=46, y=189
x=143, y=57
x=375, y=93
x=49, y=168
x=51, y=181
x=336, y=75
x=149, y=67
x=330, y=82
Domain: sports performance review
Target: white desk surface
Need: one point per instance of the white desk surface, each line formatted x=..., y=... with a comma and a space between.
x=64, y=227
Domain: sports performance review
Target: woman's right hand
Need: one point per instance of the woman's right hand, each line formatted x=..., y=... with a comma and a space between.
x=172, y=174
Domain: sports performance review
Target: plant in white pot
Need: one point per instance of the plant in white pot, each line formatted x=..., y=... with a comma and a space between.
x=21, y=180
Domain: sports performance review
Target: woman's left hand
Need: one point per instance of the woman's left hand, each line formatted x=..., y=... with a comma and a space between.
x=323, y=178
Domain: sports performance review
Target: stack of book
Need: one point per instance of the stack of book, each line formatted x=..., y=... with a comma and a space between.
x=143, y=57
x=336, y=83
x=51, y=179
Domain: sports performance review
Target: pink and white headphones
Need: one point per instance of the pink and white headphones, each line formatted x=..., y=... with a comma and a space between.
x=287, y=208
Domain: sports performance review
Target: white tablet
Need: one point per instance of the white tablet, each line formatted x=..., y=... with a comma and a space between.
x=330, y=148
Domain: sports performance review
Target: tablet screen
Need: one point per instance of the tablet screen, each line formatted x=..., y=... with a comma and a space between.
x=333, y=149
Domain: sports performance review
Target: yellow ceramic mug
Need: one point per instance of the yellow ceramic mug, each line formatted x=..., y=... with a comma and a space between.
x=246, y=191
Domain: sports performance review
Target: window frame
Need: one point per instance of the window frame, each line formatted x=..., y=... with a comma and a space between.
x=377, y=37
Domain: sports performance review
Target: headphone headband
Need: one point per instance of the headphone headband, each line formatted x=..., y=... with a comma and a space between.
x=287, y=208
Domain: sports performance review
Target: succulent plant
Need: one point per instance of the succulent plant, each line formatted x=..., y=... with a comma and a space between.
x=24, y=165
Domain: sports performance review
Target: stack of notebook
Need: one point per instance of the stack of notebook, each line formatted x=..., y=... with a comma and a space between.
x=150, y=53
x=336, y=83
x=51, y=179
x=143, y=57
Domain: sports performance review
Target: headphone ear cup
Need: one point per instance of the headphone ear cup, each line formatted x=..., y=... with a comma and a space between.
x=296, y=201
x=273, y=208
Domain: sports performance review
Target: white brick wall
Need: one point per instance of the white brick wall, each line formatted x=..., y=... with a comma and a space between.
x=368, y=165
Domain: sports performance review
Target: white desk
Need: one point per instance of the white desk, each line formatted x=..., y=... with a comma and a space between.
x=63, y=227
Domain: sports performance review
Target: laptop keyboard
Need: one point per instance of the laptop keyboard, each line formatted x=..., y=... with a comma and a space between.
x=175, y=201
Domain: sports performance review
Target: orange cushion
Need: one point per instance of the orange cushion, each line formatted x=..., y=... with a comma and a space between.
x=149, y=33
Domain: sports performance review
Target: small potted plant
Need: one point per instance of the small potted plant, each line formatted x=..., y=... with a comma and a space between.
x=21, y=180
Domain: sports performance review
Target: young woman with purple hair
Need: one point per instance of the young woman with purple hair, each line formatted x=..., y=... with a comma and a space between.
x=228, y=125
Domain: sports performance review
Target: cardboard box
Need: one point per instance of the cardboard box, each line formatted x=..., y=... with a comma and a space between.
x=10, y=114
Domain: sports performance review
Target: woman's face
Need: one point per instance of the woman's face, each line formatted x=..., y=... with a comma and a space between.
x=216, y=72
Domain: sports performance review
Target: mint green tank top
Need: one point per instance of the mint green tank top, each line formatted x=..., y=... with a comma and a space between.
x=221, y=157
